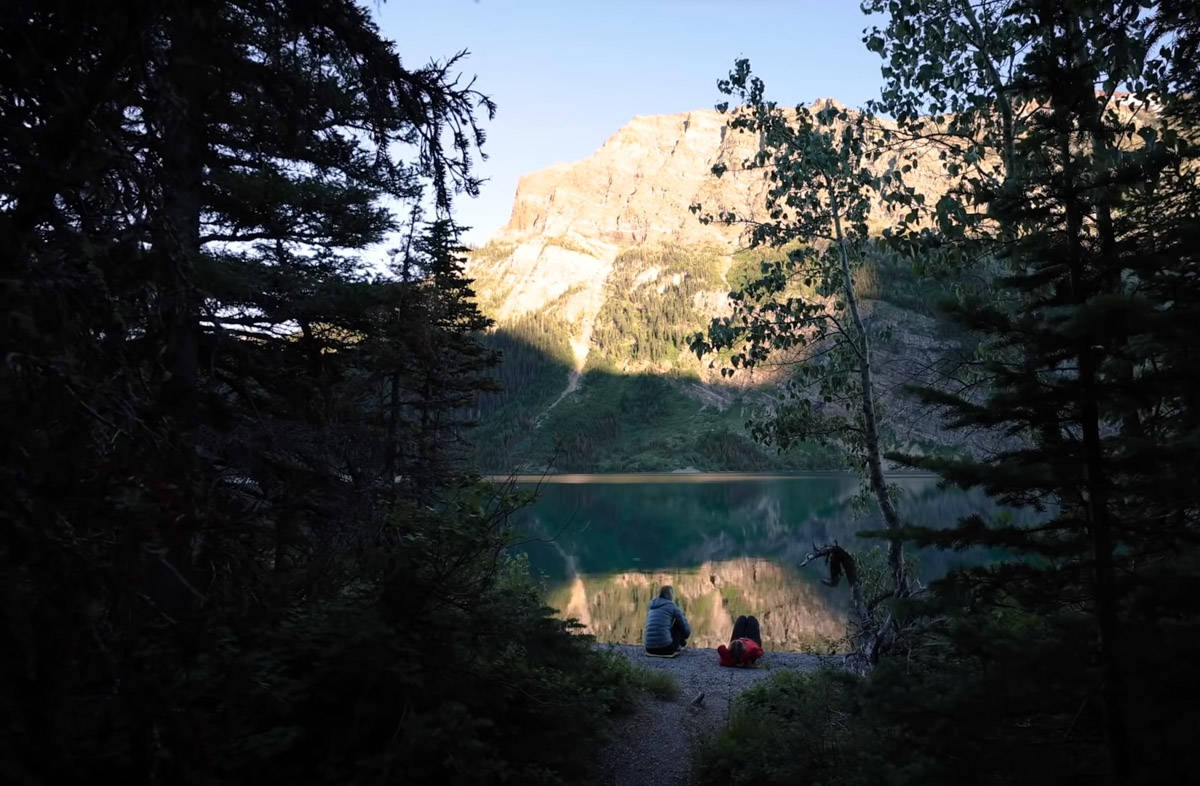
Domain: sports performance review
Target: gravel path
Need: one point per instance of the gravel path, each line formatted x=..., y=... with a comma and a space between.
x=654, y=744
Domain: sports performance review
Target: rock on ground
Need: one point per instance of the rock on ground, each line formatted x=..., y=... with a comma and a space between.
x=654, y=744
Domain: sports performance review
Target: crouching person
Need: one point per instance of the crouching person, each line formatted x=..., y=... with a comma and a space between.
x=745, y=645
x=667, y=630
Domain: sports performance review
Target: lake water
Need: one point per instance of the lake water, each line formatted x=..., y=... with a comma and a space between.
x=729, y=544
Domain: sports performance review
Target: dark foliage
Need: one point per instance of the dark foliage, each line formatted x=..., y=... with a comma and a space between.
x=1093, y=379
x=1071, y=131
x=235, y=545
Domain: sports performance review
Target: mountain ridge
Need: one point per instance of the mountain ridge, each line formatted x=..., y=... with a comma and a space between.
x=608, y=257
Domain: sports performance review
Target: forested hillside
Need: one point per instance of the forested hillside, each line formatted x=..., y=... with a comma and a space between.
x=641, y=400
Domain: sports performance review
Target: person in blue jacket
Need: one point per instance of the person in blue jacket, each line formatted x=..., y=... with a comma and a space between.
x=667, y=630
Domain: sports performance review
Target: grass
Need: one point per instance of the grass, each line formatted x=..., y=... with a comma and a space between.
x=630, y=681
x=659, y=684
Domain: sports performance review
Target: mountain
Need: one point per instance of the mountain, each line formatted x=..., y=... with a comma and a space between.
x=597, y=281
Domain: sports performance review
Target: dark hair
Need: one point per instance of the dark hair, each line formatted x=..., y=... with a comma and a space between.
x=736, y=649
x=667, y=592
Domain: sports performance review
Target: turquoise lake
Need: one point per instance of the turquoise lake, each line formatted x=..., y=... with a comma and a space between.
x=729, y=543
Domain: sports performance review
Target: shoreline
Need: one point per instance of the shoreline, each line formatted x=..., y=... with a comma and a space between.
x=720, y=476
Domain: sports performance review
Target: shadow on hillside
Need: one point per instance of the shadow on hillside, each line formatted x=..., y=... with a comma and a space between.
x=616, y=422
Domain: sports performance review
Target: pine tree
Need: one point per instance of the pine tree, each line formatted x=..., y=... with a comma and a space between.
x=430, y=352
x=190, y=459
x=1091, y=378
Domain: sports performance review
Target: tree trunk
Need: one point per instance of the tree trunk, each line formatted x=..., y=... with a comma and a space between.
x=393, y=426
x=1096, y=484
x=1102, y=548
x=178, y=236
x=891, y=519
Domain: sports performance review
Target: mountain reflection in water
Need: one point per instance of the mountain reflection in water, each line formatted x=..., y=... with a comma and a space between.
x=795, y=615
x=729, y=544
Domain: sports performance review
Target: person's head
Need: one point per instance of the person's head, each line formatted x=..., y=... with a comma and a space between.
x=737, y=648
x=667, y=592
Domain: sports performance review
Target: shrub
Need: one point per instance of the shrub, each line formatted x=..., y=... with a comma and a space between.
x=790, y=728
x=413, y=677
x=632, y=680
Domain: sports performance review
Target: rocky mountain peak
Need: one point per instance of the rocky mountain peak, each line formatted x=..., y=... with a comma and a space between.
x=570, y=221
x=636, y=189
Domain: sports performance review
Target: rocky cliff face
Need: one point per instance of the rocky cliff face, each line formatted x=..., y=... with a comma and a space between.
x=636, y=189
x=570, y=221
x=608, y=252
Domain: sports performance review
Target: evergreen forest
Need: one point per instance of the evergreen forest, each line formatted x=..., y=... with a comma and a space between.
x=238, y=542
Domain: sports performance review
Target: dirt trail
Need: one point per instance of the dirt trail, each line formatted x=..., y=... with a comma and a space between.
x=654, y=744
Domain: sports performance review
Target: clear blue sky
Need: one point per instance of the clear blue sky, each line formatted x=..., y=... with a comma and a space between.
x=567, y=74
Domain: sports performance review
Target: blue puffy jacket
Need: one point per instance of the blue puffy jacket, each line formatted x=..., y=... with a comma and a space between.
x=658, y=623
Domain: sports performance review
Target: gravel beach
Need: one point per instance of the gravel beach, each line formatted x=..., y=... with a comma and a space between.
x=654, y=744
